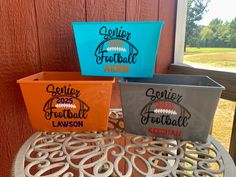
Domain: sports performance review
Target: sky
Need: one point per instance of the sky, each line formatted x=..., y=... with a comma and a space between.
x=223, y=9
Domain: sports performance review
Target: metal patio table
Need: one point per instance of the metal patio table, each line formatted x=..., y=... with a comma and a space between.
x=117, y=153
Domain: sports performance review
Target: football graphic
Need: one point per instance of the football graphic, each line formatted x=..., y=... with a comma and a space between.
x=122, y=51
x=66, y=106
x=165, y=108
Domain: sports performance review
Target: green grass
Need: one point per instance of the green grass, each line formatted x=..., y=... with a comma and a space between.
x=224, y=58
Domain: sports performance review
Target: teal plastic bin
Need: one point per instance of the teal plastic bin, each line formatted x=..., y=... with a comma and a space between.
x=123, y=49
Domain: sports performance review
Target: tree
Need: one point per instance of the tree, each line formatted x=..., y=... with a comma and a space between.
x=216, y=34
x=232, y=31
x=194, y=40
x=206, y=36
x=195, y=11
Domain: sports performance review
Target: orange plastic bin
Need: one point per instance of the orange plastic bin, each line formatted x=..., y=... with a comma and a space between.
x=67, y=101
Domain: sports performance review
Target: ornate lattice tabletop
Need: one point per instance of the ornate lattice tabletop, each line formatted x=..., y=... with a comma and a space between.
x=117, y=153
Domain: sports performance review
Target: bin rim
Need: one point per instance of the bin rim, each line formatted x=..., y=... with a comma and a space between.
x=123, y=81
x=127, y=22
x=31, y=78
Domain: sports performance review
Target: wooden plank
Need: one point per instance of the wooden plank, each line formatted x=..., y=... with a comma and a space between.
x=105, y=10
x=167, y=13
x=232, y=149
x=227, y=79
x=142, y=10
x=19, y=57
x=56, y=40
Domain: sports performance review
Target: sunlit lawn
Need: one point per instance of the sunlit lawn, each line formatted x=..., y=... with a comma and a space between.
x=224, y=58
x=191, y=50
x=223, y=121
x=212, y=57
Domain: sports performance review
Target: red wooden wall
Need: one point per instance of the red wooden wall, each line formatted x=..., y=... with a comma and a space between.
x=36, y=35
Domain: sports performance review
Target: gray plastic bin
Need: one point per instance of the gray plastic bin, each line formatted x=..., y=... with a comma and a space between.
x=170, y=106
